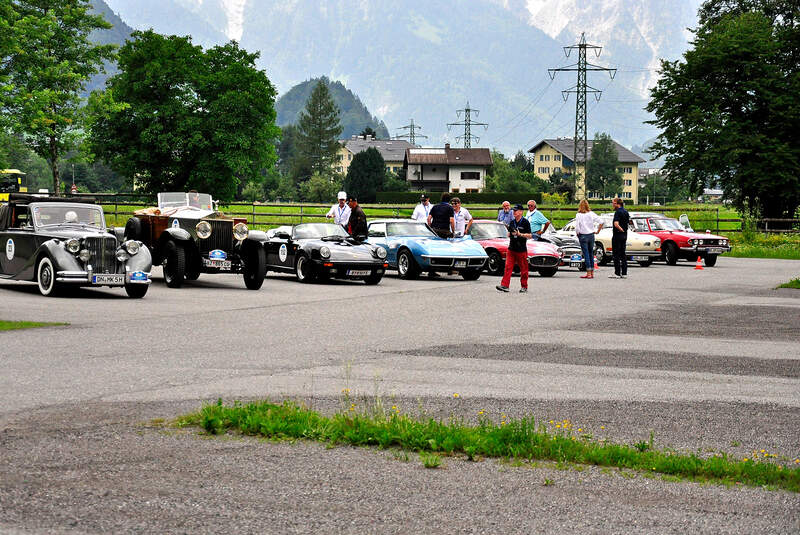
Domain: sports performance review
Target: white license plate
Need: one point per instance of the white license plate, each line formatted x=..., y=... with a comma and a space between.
x=358, y=272
x=460, y=264
x=715, y=250
x=108, y=279
x=219, y=264
x=575, y=264
x=639, y=257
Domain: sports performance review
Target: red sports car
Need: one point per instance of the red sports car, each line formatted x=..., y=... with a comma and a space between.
x=493, y=236
x=679, y=243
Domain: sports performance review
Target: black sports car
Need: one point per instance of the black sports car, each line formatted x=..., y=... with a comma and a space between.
x=322, y=250
x=60, y=242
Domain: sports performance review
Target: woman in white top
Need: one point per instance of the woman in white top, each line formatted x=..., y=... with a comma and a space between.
x=585, y=221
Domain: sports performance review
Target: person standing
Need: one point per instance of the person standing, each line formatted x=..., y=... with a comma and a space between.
x=519, y=232
x=505, y=215
x=618, y=238
x=340, y=212
x=422, y=210
x=585, y=221
x=357, y=224
x=538, y=221
x=440, y=218
x=462, y=219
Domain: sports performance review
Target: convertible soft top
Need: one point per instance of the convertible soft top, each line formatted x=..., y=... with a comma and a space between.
x=27, y=198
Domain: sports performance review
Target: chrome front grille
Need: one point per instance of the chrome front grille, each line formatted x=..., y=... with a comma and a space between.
x=543, y=261
x=103, y=250
x=221, y=236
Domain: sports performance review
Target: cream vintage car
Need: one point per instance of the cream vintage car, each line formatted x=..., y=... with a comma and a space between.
x=641, y=248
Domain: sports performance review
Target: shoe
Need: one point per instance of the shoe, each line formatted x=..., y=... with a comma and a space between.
x=501, y=288
x=523, y=290
x=614, y=276
x=587, y=276
x=623, y=276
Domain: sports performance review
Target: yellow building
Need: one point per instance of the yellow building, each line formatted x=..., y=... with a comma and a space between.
x=555, y=156
x=393, y=152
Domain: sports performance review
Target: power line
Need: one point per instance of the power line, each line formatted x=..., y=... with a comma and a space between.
x=467, y=123
x=412, y=135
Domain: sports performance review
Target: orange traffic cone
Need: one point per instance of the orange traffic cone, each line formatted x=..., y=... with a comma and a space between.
x=596, y=267
x=699, y=264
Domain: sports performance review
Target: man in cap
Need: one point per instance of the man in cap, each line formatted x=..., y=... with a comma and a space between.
x=340, y=212
x=357, y=224
x=519, y=230
x=422, y=209
x=505, y=215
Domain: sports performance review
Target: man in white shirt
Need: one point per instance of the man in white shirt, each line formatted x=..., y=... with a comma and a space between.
x=340, y=212
x=538, y=221
x=462, y=219
x=423, y=209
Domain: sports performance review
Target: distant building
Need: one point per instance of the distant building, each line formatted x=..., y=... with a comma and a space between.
x=392, y=150
x=454, y=170
x=555, y=156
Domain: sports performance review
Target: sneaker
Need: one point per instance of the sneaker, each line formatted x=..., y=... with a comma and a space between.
x=501, y=288
x=523, y=290
x=623, y=276
x=614, y=276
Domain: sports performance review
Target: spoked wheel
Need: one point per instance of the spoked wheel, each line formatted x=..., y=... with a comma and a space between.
x=174, y=265
x=600, y=254
x=304, y=270
x=495, y=264
x=255, y=268
x=46, y=277
x=407, y=267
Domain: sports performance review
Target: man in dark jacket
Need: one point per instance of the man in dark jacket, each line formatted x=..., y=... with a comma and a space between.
x=618, y=239
x=440, y=218
x=519, y=232
x=357, y=224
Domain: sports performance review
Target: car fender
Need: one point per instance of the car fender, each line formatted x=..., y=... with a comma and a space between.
x=176, y=234
x=141, y=261
x=62, y=259
x=254, y=239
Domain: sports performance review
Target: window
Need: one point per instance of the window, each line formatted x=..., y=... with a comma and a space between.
x=471, y=190
x=378, y=230
x=547, y=157
x=340, y=169
x=544, y=171
x=455, y=190
x=470, y=175
x=557, y=158
x=541, y=157
x=627, y=194
x=556, y=169
x=349, y=156
x=339, y=157
x=628, y=182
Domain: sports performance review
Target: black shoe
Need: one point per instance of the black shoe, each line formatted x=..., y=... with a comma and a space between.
x=502, y=288
x=523, y=290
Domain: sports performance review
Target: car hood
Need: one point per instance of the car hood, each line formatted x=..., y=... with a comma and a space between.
x=344, y=251
x=535, y=248
x=692, y=235
x=65, y=232
x=457, y=247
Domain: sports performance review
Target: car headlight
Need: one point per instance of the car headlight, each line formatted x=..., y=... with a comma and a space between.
x=203, y=229
x=73, y=245
x=122, y=254
x=657, y=243
x=691, y=242
x=324, y=252
x=84, y=255
x=240, y=231
x=700, y=242
x=131, y=246
x=381, y=252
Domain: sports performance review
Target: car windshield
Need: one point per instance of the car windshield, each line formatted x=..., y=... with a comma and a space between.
x=180, y=199
x=90, y=215
x=408, y=228
x=487, y=231
x=665, y=224
x=318, y=230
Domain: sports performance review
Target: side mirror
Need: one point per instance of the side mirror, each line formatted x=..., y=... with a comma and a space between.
x=283, y=235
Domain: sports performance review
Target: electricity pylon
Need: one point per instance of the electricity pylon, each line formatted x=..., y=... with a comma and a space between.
x=580, y=90
x=466, y=123
x=412, y=134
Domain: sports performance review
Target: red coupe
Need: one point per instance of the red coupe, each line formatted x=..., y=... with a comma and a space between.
x=493, y=236
x=678, y=242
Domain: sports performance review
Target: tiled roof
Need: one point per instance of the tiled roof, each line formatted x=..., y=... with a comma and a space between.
x=392, y=150
x=448, y=156
x=567, y=147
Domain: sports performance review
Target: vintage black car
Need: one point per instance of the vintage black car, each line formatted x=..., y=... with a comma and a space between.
x=188, y=236
x=319, y=251
x=62, y=242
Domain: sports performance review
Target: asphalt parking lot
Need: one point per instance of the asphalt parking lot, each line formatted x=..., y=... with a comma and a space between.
x=705, y=360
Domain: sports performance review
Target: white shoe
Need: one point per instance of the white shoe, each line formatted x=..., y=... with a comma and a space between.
x=623, y=276
x=614, y=276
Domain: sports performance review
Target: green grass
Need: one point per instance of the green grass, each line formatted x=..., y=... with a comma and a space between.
x=760, y=245
x=510, y=439
x=13, y=325
x=794, y=283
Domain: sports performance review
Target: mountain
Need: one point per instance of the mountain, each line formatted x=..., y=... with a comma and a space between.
x=117, y=35
x=425, y=60
x=354, y=116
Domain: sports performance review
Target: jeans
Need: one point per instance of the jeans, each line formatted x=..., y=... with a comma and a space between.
x=618, y=250
x=587, y=249
x=513, y=257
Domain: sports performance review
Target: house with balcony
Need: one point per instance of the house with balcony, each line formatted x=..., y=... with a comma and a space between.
x=447, y=169
x=392, y=150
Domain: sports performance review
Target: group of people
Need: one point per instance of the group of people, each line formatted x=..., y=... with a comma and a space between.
x=447, y=218
x=347, y=213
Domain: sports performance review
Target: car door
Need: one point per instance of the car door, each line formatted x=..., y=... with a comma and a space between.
x=376, y=235
x=18, y=242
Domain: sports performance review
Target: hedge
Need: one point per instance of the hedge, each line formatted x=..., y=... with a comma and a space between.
x=412, y=197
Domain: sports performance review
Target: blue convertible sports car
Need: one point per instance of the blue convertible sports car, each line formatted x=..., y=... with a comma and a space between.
x=412, y=247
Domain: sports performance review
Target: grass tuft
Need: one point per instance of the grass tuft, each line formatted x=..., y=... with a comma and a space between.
x=510, y=439
x=13, y=325
x=794, y=283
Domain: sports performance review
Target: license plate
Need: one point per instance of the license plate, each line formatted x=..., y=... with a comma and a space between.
x=575, y=264
x=358, y=272
x=639, y=257
x=715, y=250
x=108, y=279
x=460, y=264
x=219, y=264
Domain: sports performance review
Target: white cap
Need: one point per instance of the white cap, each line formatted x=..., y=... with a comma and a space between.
x=342, y=195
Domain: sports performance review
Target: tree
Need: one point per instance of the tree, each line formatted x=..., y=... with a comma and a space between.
x=47, y=59
x=503, y=176
x=602, y=169
x=729, y=111
x=367, y=132
x=365, y=175
x=177, y=117
x=320, y=188
x=318, y=131
x=393, y=182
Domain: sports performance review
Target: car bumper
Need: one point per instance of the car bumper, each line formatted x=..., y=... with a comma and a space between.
x=452, y=263
x=89, y=278
x=707, y=249
x=350, y=270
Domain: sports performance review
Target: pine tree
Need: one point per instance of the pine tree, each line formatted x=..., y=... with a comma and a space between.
x=318, y=132
x=602, y=170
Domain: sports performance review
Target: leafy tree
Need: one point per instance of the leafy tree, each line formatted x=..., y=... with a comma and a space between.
x=393, y=182
x=729, y=111
x=318, y=131
x=177, y=117
x=602, y=169
x=47, y=59
x=367, y=132
x=366, y=175
x=562, y=184
x=320, y=188
x=522, y=163
x=503, y=176
x=287, y=148
x=252, y=191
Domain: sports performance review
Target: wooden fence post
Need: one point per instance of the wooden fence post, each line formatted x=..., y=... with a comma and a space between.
x=301, y=213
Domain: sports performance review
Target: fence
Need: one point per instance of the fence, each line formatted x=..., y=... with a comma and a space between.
x=275, y=214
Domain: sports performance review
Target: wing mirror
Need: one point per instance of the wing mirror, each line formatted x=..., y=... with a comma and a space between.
x=283, y=235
